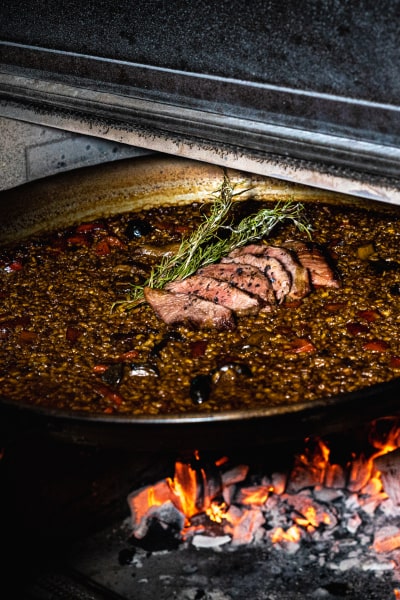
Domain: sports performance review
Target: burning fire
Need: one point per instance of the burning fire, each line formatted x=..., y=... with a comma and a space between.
x=293, y=534
x=218, y=504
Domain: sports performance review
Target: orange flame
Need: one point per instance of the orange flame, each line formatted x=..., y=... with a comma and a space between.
x=191, y=492
x=293, y=534
x=387, y=440
x=314, y=461
x=311, y=518
x=256, y=497
x=184, y=486
x=216, y=512
x=152, y=499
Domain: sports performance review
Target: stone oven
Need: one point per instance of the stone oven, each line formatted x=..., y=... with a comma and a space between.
x=302, y=92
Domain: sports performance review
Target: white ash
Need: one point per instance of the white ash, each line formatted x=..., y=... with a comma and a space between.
x=306, y=514
x=204, y=541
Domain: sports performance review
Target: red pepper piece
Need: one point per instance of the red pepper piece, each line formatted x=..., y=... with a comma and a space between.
x=114, y=242
x=102, y=248
x=109, y=394
x=334, y=307
x=28, y=337
x=127, y=356
x=98, y=369
x=16, y=265
x=13, y=322
x=79, y=240
x=292, y=304
x=301, y=345
x=88, y=227
x=368, y=315
x=356, y=328
x=198, y=348
x=376, y=346
x=73, y=334
x=395, y=362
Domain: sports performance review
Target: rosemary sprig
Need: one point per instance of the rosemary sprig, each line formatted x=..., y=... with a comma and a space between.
x=206, y=246
x=193, y=250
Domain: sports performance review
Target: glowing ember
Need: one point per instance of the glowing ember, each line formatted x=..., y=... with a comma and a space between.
x=387, y=540
x=255, y=496
x=293, y=534
x=217, y=512
x=312, y=519
x=219, y=504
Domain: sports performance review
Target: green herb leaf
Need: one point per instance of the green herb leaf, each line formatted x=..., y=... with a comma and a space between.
x=206, y=245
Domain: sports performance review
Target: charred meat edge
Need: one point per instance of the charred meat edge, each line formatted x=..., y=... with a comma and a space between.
x=314, y=259
x=220, y=292
x=186, y=308
x=246, y=277
x=279, y=278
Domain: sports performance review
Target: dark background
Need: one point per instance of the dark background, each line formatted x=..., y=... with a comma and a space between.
x=331, y=46
x=310, y=80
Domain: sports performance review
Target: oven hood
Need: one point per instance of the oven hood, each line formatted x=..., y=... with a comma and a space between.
x=305, y=92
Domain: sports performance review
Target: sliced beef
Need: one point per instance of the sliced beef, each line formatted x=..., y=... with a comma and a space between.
x=301, y=284
x=250, y=279
x=189, y=309
x=220, y=292
x=313, y=259
x=279, y=278
x=243, y=276
x=256, y=249
x=299, y=275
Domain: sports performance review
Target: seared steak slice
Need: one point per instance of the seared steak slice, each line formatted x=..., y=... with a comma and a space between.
x=245, y=277
x=220, y=292
x=300, y=278
x=188, y=309
x=279, y=278
x=255, y=249
x=313, y=259
x=301, y=285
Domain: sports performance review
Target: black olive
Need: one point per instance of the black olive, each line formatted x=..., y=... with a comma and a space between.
x=143, y=370
x=113, y=375
x=231, y=369
x=137, y=228
x=200, y=388
x=395, y=289
x=380, y=266
x=157, y=348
